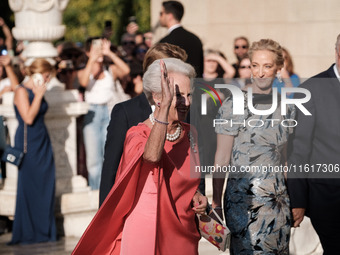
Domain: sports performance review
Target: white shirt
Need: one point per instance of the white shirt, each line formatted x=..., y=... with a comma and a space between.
x=100, y=91
x=172, y=28
x=5, y=83
x=336, y=72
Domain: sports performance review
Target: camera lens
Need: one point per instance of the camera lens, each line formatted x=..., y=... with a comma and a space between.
x=133, y=19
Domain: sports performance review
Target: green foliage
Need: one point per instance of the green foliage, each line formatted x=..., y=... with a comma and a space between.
x=84, y=18
x=142, y=10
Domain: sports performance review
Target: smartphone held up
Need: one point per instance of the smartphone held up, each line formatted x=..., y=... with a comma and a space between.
x=97, y=43
x=38, y=79
x=3, y=50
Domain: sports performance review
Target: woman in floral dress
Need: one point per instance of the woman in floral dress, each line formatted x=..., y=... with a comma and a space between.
x=256, y=202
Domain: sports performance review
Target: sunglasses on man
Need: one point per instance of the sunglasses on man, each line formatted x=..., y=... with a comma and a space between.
x=243, y=47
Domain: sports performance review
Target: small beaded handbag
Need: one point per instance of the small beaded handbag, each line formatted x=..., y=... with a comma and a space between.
x=216, y=233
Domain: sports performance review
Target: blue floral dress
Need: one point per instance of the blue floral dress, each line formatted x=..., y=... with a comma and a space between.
x=256, y=202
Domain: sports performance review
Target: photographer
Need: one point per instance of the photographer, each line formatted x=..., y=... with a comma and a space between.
x=128, y=40
x=67, y=59
x=102, y=87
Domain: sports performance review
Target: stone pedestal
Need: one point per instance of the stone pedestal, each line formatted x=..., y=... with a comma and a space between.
x=78, y=209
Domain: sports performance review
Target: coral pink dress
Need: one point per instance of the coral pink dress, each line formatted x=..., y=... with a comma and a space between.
x=149, y=209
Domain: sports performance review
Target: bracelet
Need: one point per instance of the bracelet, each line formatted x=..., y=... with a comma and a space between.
x=161, y=122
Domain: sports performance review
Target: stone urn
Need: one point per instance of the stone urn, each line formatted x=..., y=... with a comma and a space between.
x=39, y=22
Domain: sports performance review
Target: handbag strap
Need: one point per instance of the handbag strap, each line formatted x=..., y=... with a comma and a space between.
x=25, y=125
x=213, y=210
x=218, y=217
x=25, y=138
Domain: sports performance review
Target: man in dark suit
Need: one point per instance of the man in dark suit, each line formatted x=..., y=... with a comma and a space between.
x=123, y=116
x=314, y=187
x=170, y=17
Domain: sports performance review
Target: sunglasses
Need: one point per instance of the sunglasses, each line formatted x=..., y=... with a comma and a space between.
x=243, y=47
x=243, y=67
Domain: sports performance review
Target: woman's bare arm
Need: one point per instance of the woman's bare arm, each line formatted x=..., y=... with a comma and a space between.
x=222, y=158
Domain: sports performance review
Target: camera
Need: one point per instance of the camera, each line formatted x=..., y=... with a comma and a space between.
x=132, y=19
x=3, y=50
x=108, y=24
x=107, y=33
x=66, y=64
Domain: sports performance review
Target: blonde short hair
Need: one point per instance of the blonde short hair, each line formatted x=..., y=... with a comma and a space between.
x=270, y=45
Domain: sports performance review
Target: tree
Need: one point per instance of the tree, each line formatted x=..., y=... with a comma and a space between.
x=84, y=18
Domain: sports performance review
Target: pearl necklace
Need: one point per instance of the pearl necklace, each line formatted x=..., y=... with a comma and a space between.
x=169, y=137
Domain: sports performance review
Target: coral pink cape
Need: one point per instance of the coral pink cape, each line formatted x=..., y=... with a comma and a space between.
x=177, y=183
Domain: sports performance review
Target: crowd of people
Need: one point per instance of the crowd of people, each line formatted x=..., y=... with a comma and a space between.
x=140, y=149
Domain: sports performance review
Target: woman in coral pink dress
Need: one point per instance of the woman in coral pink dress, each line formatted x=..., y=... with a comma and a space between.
x=151, y=208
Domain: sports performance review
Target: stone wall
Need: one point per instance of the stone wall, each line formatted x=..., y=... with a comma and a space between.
x=307, y=28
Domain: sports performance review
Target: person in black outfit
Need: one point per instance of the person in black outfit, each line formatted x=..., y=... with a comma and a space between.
x=317, y=141
x=170, y=17
x=127, y=114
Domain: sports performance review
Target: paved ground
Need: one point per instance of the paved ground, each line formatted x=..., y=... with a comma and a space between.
x=62, y=247
x=304, y=241
x=66, y=245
